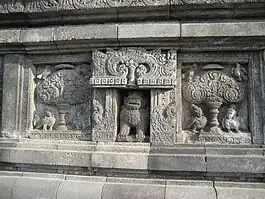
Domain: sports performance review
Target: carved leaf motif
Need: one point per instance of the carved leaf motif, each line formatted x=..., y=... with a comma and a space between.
x=164, y=119
x=213, y=86
x=134, y=66
x=101, y=121
x=63, y=86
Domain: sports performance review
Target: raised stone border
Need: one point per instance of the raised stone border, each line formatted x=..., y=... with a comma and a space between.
x=55, y=186
x=81, y=38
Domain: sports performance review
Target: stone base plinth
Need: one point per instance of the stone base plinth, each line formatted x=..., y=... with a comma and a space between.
x=25, y=185
x=226, y=138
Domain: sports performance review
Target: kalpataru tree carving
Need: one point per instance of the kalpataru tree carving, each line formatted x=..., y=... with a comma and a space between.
x=136, y=69
x=213, y=88
x=62, y=86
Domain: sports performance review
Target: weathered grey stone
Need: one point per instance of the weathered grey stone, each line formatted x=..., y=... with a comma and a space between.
x=120, y=160
x=32, y=35
x=170, y=30
x=6, y=186
x=51, y=157
x=240, y=190
x=136, y=181
x=30, y=188
x=87, y=32
x=233, y=151
x=182, y=191
x=177, y=162
x=86, y=178
x=122, y=147
x=80, y=190
x=132, y=191
x=10, y=173
x=223, y=29
x=232, y=163
x=44, y=175
x=9, y=35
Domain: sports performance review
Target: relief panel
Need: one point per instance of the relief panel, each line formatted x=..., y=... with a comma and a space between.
x=138, y=79
x=62, y=101
x=216, y=103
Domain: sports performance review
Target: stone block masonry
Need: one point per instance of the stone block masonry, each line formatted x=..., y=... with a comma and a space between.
x=132, y=99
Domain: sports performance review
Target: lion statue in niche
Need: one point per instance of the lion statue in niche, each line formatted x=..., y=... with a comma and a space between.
x=134, y=118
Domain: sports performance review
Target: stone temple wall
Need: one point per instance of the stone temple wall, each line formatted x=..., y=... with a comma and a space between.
x=148, y=99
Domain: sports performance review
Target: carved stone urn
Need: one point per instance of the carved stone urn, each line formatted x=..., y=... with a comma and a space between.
x=63, y=88
x=212, y=88
x=63, y=110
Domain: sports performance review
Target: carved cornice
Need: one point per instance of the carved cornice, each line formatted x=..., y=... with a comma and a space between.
x=57, y=5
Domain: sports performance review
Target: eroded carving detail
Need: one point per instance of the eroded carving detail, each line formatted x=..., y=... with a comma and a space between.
x=239, y=73
x=163, y=122
x=134, y=67
x=213, y=88
x=62, y=86
x=45, y=123
x=102, y=120
x=48, y=5
x=198, y=121
x=134, y=116
x=230, y=121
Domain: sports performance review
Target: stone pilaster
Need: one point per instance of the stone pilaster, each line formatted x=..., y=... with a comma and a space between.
x=104, y=116
x=163, y=123
x=18, y=95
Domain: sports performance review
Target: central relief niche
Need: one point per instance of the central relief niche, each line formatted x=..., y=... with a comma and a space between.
x=216, y=98
x=134, y=117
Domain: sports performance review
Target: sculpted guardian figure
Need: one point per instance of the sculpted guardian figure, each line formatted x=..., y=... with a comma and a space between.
x=230, y=121
x=199, y=121
x=133, y=117
x=47, y=122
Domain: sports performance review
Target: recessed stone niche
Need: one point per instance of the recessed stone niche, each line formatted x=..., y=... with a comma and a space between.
x=134, y=95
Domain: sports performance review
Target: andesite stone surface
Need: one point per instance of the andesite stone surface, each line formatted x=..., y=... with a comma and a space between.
x=132, y=99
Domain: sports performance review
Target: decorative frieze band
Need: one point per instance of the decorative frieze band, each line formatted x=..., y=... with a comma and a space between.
x=56, y=5
x=134, y=67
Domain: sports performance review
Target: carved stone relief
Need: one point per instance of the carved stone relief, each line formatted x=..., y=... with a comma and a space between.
x=163, y=121
x=51, y=5
x=149, y=75
x=104, y=117
x=134, y=115
x=62, y=98
x=214, y=95
x=134, y=67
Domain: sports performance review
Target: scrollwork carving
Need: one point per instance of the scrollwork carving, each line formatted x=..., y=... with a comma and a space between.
x=212, y=88
x=102, y=120
x=164, y=119
x=134, y=67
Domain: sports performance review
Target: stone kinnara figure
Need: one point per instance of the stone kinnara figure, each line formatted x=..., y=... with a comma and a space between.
x=239, y=72
x=199, y=120
x=134, y=115
x=47, y=122
x=230, y=121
